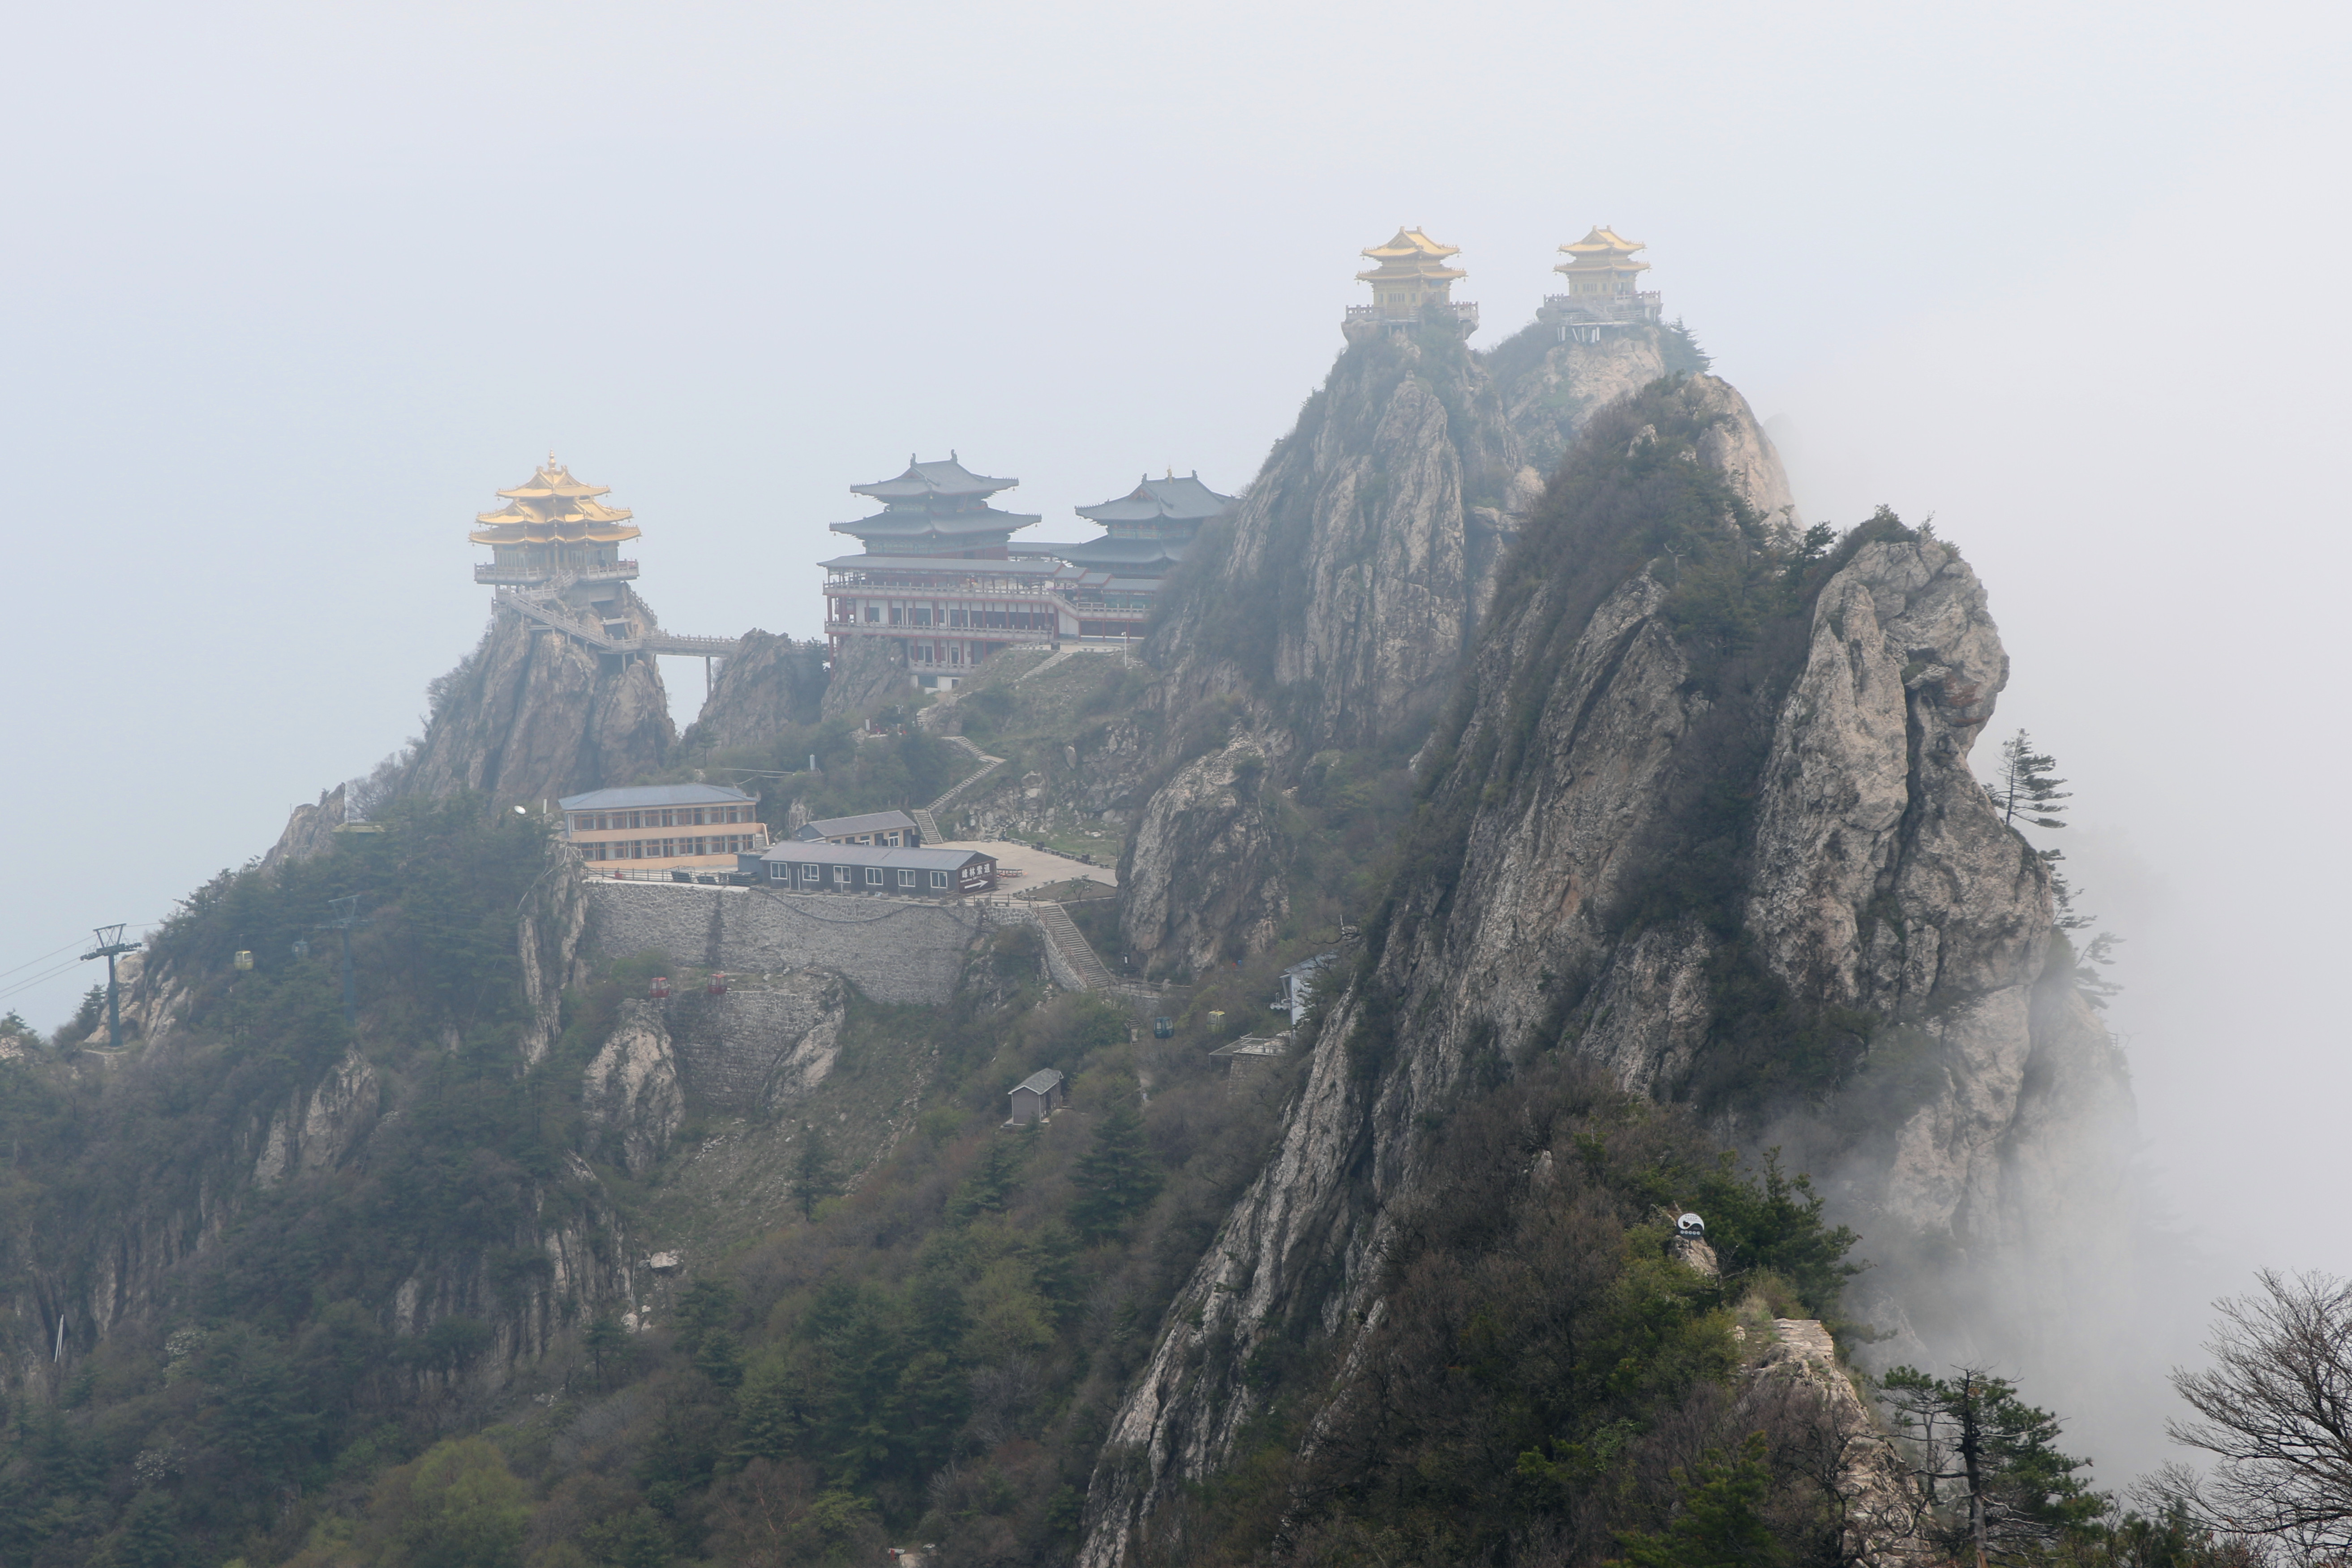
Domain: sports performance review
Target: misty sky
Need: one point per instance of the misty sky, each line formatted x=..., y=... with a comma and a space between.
x=289, y=292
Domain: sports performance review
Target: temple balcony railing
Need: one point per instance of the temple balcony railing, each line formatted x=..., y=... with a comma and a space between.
x=1601, y=307
x=883, y=587
x=535, y=576
x=967, y=633
x=1362, y=321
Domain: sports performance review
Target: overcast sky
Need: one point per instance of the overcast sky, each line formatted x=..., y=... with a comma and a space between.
x=289, y=292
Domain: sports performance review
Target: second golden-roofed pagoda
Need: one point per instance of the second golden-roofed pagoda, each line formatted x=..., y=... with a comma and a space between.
x=1411, y=282
x=1604, y=289
x=555, y=533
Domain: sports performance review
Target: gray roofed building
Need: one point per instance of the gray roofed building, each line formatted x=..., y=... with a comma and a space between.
x=1168, y=499
x=1035, y=1096
x=824, y=868
x=863, y=829
x=922, y=481
x=639, y=795
x=944, y=506
x=915, y=523
x=1150, y=529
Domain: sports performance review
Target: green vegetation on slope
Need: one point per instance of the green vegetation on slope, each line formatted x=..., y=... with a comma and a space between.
x=1540, y=1363
x=272, y=1366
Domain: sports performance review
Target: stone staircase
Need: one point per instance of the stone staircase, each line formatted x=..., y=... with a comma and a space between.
x=926, y=823
x=988, y=765
x=1062, y=935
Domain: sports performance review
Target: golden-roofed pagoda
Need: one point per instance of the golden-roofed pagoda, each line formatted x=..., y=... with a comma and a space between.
x=1412, y=279
x=1605, y=291
x=1601, y=263
x=555, y=533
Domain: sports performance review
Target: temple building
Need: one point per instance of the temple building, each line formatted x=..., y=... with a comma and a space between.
x=1411, y=282
x=939, y=575
x=553, y=535
x=942, y=576
x=1148, y=530
x=1603, y=289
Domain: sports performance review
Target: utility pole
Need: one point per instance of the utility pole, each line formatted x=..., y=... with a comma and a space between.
x=110, y=945
x=346, y=915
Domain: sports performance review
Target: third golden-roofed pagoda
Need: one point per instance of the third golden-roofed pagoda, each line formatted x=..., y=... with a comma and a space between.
x=1411, y=282
x=553, y=531
x=1605, y=291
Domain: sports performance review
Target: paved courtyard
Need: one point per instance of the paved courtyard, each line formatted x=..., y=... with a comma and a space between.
x=1037, y=867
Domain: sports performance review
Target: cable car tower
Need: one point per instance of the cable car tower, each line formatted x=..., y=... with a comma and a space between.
x=110, y=946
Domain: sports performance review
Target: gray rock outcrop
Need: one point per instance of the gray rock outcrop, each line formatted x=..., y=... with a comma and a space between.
x=532, y=714
x=629, y=1097
x=1334, y=605
x=1735, y=856
x=768, y=685
x=310, y=830
x=870, y=673
x=321, y=1124
x=1198, y=882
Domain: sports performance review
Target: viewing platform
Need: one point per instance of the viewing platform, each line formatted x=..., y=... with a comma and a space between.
x=1587, y=318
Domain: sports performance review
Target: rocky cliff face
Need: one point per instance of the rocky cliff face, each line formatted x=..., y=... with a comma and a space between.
x=1334, y=609
x=870, y=672
x=228, y=1146
x=534, y=715
x=1701, y=814
x=1342, y=580
x=770, y=684
x=310, y=830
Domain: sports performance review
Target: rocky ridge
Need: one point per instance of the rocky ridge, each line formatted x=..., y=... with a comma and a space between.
x=769, y=684
x=1334, y=607
x=533, y=715
x=1735, y=856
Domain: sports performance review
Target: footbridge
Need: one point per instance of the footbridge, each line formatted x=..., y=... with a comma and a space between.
x=541, y=606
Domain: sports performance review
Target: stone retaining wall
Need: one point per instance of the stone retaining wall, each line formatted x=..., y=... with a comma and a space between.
x=749, y=1050
x=892, y=950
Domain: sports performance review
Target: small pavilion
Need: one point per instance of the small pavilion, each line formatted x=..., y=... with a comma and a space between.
x=553, y=533
x=1604, y=292
x=1411, y=279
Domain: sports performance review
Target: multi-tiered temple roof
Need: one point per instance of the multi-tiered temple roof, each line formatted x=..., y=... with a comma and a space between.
x=553, y=508
x=937, y=509
x=1149, y=527
x=1413, y=260
x=553, y=531
x=1409, y=281
x=1601, y=263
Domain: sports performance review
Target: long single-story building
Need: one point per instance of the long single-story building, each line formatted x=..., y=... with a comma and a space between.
x=820, y=867
x=885, y=829
x=665, y=827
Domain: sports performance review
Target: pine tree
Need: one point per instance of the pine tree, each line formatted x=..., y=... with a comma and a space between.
x=605, y=1338
x=990, y=1187
x=814, y=1176
x=1720, y=1522
x=2015, y=1487
x=2026, y=787
x=1116, y=1177
x=2028, y=791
